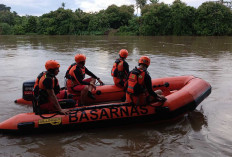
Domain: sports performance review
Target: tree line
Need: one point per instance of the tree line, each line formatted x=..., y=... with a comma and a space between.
x=156, y=19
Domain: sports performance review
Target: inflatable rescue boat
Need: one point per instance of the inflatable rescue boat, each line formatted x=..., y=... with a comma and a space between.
x=102, y=93
x=183, y=94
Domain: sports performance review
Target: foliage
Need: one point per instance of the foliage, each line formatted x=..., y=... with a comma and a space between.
x=182, y=18
x=99, y=22
x=156, y=19
x=154, y=1
x=4, y=8
x=140, y=3
x=213, y=19
x=31, y=25
x=7, y=17
x=18, y=30
x=5, y=29
x=59, y=22
x=132, y=28
x=119, y=16
x=82, y=22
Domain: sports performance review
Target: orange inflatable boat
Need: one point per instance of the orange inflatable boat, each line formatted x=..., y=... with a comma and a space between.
x=183, y=94
x=102, y=93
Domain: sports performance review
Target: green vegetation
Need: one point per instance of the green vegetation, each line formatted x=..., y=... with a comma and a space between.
x=156, y=19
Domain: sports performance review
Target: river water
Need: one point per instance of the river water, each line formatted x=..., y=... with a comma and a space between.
x=205, y=132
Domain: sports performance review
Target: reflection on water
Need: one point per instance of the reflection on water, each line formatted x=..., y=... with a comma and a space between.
x=197, y=120
x=204, y=132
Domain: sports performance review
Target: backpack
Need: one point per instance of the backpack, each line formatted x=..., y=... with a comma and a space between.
x=118, y=70
x=135, y=82
x=67, y=75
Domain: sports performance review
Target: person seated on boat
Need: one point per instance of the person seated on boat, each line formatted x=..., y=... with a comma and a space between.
x=75, y=79
x=120, y=69
x=45, y=89
x=139, y=86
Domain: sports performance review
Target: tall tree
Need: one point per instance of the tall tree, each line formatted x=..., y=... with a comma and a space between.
x=99, y=22
x=156, y=19
x=63, y=5
x=154, y=1
x=31, y=25
x=213, y=19
x=4, y=8
x=182, y=18
x=140, y=4
x=7, y=17
x=119, y=16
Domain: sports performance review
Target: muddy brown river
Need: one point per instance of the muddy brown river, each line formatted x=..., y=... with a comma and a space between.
x=205, y=132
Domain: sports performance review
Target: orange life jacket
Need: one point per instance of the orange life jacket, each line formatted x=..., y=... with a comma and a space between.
x=136, y=83
x=55, y=82
x=118, y=69
x=67, y=75
x=39, y=84
x=36, y=85
x=73, y=76
x=40, y=92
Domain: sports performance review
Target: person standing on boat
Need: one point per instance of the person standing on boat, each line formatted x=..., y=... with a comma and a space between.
x=45, y=90
x=120, y=69
x=139, y=85
x=76, y=82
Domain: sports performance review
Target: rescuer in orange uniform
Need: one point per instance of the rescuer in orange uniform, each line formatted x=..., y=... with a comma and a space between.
x=139, y=85
x=120, y=69
x=45, y=89
x=76, y=82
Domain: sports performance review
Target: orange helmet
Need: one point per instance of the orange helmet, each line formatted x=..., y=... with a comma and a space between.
x=52, y=64
x=123, y=53
x=145, y=60
x=80, y=58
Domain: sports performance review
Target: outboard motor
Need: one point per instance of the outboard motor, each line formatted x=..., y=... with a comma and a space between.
x=28, y=90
